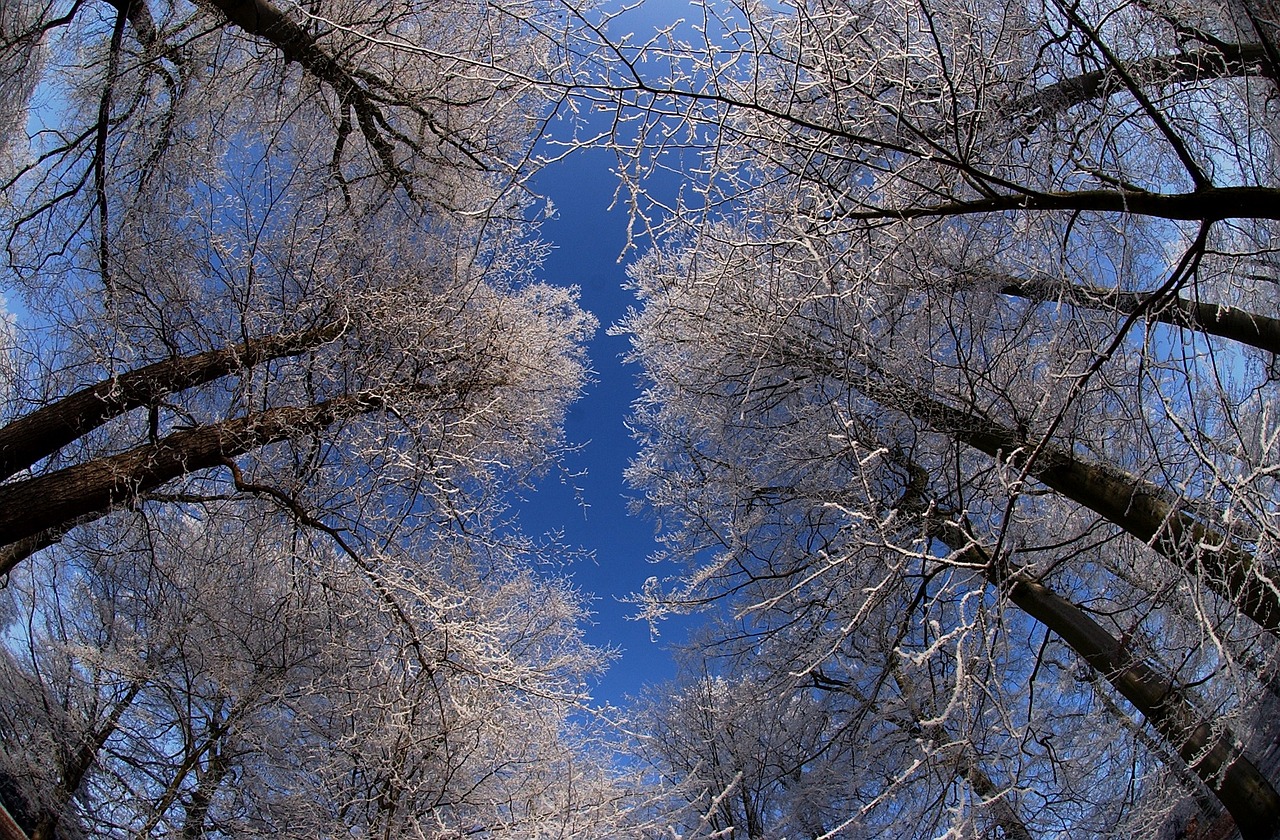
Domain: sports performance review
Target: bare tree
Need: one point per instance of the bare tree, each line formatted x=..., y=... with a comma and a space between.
x=960, y=372
x=755, y=754
x=202, y=678
x=275, y=365
x=279, y=251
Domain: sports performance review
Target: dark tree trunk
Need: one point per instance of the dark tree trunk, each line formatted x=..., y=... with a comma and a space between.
x=1227, y=61
x=1212, y=319
x=37, y=435
x=87, y=491
x=1211, y=750
x=1207, y=204
x=1261, y=18
x=1148, y=512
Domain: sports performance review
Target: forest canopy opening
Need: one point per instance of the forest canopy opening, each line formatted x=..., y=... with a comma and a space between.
x=958, y=340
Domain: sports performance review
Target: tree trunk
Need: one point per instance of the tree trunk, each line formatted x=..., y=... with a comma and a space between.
x=37, y=435
x=1229, y=61
x=1261, y=18
x=262, y=19
x=200, y=800
x=1145, y=510
x=87, y=491
x=1208, y=204
x=1211, y=751
x=1212, y=319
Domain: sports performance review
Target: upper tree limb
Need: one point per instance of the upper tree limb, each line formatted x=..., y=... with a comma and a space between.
x=37, y=435
x=1221, y=320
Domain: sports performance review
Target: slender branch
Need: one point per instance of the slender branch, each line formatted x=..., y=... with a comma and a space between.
x=263, y=19
x=1225, y=321
x=926, y=727
x=100, y=149
x=79, y=764
x=306, y=519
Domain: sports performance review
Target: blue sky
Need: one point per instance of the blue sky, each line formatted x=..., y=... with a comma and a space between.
x=588, y=242
x=589, y=239
x=593, y=510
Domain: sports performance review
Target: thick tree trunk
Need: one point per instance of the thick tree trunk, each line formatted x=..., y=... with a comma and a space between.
x=264, y=19
x=37, y=435
x=1260, y=18
x=208, y=777
x=1211, y=750
x=201, y=799
x=1006, y=818
x=87, y=491
x=1148, y=512
x=14, y=553
x=1208, y=204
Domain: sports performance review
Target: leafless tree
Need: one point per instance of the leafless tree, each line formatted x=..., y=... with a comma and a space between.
x=189, y=286
x=745, y=755
x=274, y=364
x=961, y=363
x=200, y=678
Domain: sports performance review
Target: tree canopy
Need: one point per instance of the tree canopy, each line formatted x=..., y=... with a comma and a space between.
x=961, y=368
x=276, y=362
x=958, y=344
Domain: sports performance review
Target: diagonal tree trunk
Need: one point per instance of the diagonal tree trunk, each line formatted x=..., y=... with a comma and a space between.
x=1226, y=61
x=1145, y=510
x=87, y=491
x=41, y=433
x=1210, y=749
x=1224, y=321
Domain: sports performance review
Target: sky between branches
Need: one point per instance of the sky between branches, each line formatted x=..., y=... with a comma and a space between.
x=589, y=236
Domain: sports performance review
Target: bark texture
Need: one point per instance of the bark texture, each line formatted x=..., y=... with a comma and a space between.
x=1145, y=510
x=1228, y=322
x=86, y=491
x=1226, y=61
x=1208, y=748
x=38, y=435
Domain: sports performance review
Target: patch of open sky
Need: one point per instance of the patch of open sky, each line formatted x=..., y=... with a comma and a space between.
x=590, y=235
